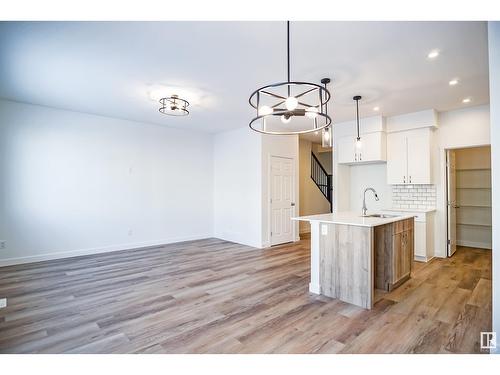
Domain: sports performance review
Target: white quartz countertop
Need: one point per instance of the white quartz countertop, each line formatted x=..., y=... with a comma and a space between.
x=425, y=210
x=353, y=218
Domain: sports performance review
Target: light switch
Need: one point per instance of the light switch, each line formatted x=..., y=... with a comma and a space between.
x=3, y=302
x=324, y=230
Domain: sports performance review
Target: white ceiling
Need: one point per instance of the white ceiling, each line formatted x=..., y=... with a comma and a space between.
x=110, y=68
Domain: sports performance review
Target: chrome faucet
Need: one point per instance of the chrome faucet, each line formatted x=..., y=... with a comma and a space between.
x=364, y=199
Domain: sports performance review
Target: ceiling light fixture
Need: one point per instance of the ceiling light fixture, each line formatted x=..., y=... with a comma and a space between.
x=453, y=82
x=467, y=100
x=174, y=106
x=376, y=109
x=280, y=103
x=433, y=54
x=357, y=98
x=326, y=135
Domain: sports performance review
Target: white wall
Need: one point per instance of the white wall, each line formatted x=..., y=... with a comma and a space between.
x=238, y=186
x=372, y=175
x=341, y=176
x=286, y=146
x=73, y=183
x=241, y=184
x=312, y=201
x=494, y=63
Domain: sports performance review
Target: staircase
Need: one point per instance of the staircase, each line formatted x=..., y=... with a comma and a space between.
x=322, y=179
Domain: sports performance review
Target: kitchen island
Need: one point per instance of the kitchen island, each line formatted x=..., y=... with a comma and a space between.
x=352, y=255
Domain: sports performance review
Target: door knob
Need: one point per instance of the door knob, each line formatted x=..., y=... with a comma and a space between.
x=292, y=204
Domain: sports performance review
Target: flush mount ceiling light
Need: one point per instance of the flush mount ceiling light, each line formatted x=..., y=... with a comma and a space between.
x=357, y=98
x=290, y=107
x=174, y=106
x=466, y=100
x=453, y=82
x=376, y=109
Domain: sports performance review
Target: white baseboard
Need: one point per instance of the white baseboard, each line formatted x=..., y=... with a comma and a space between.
x=424, y=259
x=97, y=250
x=480, y=245
x=314, y=288
x=420, y=258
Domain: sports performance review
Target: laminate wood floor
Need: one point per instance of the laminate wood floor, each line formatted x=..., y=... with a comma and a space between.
x=213, y=296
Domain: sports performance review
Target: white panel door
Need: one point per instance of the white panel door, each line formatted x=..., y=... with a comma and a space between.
x=396, y=158
x=451, y=182
x=419, y=157
x=346, y=150
x=282, y=200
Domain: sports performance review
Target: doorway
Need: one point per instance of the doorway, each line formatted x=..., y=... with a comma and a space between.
x=315, y=179
x=468, y=190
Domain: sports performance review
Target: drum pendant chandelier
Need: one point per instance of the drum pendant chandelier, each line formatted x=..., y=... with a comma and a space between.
x=290, y=107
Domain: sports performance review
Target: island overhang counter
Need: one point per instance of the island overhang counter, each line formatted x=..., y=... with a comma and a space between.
x=351, y=254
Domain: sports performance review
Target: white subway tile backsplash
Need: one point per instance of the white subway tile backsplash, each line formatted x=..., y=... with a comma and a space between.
x=414, y=196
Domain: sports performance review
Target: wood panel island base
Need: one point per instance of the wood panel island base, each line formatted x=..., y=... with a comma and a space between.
x=352, y=255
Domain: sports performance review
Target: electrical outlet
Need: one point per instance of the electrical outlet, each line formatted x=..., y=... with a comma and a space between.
x=130, y=232
x=2, y=244
x=3, y=303
x=324, y=230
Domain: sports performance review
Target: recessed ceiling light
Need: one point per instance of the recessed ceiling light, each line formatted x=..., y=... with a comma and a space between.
x=376, y=109
x=433, y=54
x=453, y=82
x=466, y=100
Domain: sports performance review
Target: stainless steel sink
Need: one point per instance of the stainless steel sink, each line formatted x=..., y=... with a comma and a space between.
x=382, y=216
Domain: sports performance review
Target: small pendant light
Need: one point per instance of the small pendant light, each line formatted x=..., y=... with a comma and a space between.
x=357, y=98
x=326, y=135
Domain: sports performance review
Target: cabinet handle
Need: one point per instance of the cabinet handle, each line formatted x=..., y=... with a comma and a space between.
x=355, y=157
x=404, y=179
x=410, y=179
x=360, y=156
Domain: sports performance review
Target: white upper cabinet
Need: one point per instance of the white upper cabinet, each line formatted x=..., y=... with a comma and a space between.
x=419, y=157
x=373, y=147
x=346, y=150
x=397, y=161
x=373, y=141
x=372, y=150
x=409, y=157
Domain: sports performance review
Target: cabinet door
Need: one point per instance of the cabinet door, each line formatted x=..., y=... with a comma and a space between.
x=346, y=150
x=419, y=157
x=397, y=249
x=420, y=244
x=406, y=254
x=373, y=147
x=402, y=248
x=396, y=158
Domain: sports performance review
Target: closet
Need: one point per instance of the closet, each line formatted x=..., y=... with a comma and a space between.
x=473, y=196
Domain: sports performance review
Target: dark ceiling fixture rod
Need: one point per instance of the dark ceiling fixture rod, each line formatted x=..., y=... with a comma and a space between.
x=357, y=98
x=288, y=53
